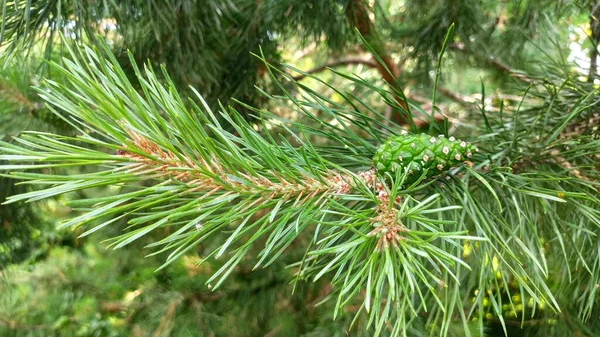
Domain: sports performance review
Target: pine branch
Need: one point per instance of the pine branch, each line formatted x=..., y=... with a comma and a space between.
x=387, y=238
x=236, y=176
x=150, y=160
x=204, y=180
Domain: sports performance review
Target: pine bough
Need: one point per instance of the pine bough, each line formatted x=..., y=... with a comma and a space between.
x=410, y=229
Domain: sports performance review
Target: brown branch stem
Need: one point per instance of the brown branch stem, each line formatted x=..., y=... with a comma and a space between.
x=359, y=15
x=13, y=95
x=210, y=176
x=338, y=63
x=492, y=61
x=595, y=38
x=454, y=97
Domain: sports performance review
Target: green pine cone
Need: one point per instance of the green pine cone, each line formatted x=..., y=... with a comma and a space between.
x=417, y=153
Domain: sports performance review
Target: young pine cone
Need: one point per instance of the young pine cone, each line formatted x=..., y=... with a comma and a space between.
x=419, y=153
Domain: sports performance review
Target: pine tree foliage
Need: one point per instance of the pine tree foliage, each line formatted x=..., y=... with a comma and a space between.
x=206, y=44
x=21, y=109
x=497, y=33
x=498, y=226
x=504, y=241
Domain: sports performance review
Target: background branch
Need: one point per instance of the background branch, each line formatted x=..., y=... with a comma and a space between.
x=358, y=13
x=594, y=38
x=493, y=62
x=338, y=63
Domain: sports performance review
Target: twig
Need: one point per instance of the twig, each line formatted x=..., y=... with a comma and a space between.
x=167, y=321
x=576, y=129
x=17, y=326
x=594, y=38
x=338, y=63
x=359, y=15
x=15, y=96
x=576, y=331
x=371, y=64
x=560, y=160
x=273, y=332
x=491, y=60
x=455, y=97
x=519, y=323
